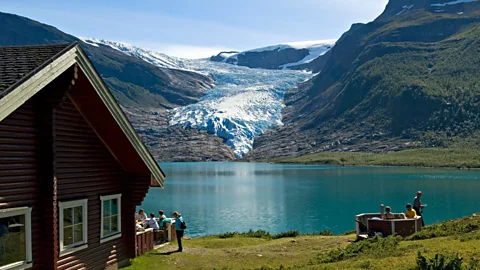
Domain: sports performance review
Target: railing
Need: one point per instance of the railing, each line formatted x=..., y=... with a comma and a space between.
x=403, y=227
x=144, y=241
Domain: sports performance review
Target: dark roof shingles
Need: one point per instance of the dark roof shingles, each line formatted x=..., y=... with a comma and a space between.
x=18, y=61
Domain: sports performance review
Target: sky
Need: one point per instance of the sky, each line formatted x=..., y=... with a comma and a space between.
x=200, y=28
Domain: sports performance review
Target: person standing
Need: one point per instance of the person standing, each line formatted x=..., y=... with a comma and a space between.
x=418, y=206
x=179, y=229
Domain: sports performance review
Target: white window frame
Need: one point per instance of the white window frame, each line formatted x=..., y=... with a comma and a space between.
x=106, y=238
x=27, y=212
x=64, y=250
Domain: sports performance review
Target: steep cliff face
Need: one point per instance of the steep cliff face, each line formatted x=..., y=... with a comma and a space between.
x=407, y=78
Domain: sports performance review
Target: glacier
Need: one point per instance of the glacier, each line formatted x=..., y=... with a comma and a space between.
x=243, y=102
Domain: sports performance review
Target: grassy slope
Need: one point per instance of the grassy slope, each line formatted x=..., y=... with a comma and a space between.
x=431, y=157
x=460, y=237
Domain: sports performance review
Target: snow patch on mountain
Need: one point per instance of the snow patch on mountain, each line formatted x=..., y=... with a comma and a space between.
x=405, y=8
x=154, y=58
x=316, y=48
x=453, y=3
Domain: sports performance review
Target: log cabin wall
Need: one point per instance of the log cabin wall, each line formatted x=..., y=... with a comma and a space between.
x=84, y=168
x=26, y=167
x=19, y=186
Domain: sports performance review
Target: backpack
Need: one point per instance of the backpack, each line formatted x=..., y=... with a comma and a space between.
x=183, y=225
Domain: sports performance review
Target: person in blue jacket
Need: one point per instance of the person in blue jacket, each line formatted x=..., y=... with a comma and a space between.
x=179, y=228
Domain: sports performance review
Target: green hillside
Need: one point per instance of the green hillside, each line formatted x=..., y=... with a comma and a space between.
x=411, y=78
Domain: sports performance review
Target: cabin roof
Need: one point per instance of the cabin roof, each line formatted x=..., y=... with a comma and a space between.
x=25, y=70
x=18, y=63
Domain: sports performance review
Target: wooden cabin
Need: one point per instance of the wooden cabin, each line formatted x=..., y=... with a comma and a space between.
x=72, y=168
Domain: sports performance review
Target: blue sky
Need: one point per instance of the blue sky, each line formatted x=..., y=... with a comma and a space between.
x=200, y=28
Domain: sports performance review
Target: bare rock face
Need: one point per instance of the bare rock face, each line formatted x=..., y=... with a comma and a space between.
x=268, y=59
x=176, y=144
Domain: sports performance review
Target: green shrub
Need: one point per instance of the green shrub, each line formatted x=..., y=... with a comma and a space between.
x=439, y=262
x=227, y=235
x=448, y=228
x=286, y=234
x=376, y=247
x=323, y=233
x=257, y=234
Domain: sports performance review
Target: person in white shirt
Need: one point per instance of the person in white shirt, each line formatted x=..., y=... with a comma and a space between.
x=152, y=222
x=161, y=215
x=140, y=216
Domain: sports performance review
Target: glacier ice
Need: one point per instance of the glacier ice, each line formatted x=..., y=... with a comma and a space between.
x=243, y=104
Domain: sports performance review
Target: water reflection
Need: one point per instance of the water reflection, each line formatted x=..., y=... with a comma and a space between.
x=220, y=197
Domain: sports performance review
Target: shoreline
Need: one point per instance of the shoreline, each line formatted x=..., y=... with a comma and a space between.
x=378, y=166
x=431, y=158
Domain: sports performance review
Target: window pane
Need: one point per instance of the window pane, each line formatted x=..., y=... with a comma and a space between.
x=106, y=208
x=115, y=207
x=78, y=233
x=114, y=223
x=12, y=239
x=67, y=236
x=67, y=217
x=77, y=215
x=106, y=226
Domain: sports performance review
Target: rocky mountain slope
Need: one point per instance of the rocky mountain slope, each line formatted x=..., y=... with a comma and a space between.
x=409, y=78
x=295, y=56
x=144, y=90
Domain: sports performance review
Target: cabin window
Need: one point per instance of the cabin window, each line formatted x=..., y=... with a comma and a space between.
x=15, y=238
x=73, y=226
x=111, y=217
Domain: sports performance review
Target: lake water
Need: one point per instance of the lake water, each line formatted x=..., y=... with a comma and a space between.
x=222, y=197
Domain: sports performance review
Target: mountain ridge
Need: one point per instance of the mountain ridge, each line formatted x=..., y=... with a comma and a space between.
x=292, y=55
x=404, y=80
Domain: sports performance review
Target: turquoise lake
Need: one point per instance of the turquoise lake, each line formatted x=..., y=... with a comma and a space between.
x=223, y=197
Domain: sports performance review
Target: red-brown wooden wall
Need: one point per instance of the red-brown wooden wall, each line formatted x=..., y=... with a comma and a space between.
x=49, y=153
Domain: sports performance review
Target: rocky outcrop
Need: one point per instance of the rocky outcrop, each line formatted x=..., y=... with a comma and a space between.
x=176, y=144
x=296, y=56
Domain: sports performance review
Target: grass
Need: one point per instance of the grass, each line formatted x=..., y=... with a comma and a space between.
x=425, y=157
x=452, y=243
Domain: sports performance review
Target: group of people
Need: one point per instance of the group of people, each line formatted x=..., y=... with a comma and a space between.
x=411, y=211
x=142, y=222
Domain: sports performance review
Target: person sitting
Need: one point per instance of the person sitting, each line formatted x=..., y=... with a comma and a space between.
x=138, y=227
x=410, y=213
x=388, y=213
x=161, y=215
x=152, y=222
x=164, y=222
x=141, y=216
